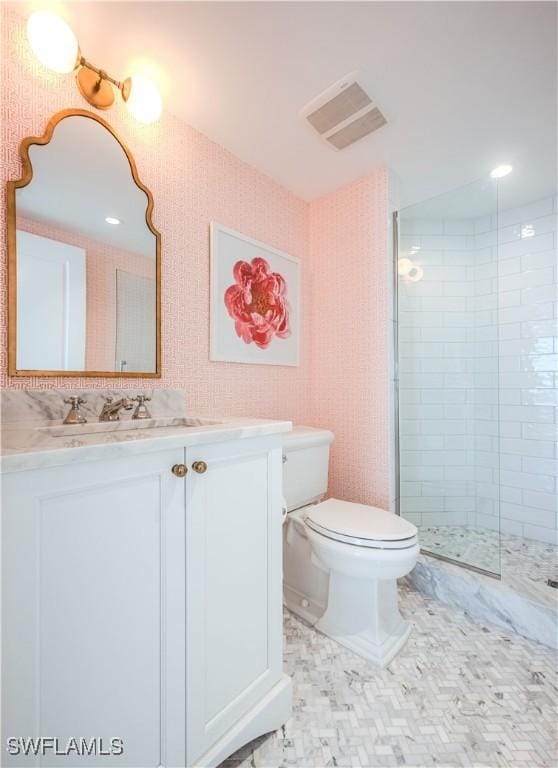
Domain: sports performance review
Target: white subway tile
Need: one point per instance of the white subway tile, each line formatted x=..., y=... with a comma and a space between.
x=542, y=501
x=442, y=334
x=512, y=495
x=509, y=234
x=509, y=266
x=459, y=226
x=527, y=380
x=543, y=449
x=508, y=299
x=536, y=413
x=539, y=225
x=529, y=279
x=541, y=293
x=527, y=346
x=423, y=504
x=545, y=483
x=542, y=207
x=548, y=431
x=408, y=427
x=420, y=474
x=538, y=260
x=510, y=331
x=539, y=363
x=534, y=328
x=539, y=397
x=424, y=442
x=410, y=489
x=525, y=514
x=438, y=396
x=513, y=397
x=511, y=527
x=444, y=488
x=526, y=245
x=540, y=466
x=548, y=535
x=420, y=227
x=486, y=240
x=460, y=503
x=511, y=462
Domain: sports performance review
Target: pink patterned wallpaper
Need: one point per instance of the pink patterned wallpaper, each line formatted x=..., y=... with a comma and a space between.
x=350, y=356
x=194, y=181
x=102, y=261
x=342, y=381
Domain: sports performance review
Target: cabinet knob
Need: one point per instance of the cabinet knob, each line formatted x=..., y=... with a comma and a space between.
x=179, y=470
x=199, y=467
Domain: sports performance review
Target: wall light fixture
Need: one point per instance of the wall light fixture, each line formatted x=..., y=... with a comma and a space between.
x=56, y=46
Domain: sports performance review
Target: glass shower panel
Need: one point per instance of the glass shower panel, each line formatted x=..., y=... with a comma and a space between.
x=447, y=374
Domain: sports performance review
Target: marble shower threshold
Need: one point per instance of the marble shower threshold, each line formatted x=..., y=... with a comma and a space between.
x=516, y=606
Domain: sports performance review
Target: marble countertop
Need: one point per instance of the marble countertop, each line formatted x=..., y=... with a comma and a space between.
x=36, y=440
x=26, y=447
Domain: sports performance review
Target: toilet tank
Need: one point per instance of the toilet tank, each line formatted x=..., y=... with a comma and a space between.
x=305, y=465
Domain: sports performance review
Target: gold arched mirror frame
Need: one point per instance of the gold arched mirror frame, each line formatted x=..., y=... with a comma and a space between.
x=24, y=181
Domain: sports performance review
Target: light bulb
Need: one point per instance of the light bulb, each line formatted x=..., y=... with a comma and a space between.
x=403, y=266
x=500, y=171
x=52, y=41
x=415, y=273
x=144, y=101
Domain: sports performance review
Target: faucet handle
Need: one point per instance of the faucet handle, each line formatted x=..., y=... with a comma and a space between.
x=141, y=398
x=141, y=411
x=74, y=400
x=74, y=415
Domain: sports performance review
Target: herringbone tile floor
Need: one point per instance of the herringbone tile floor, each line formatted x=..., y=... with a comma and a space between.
x=459, y=694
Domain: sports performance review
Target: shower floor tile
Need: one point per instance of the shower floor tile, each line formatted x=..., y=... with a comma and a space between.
x=460, y=693
x=525, y=565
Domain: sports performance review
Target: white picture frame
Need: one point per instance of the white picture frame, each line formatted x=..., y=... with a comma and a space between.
x=237, y=334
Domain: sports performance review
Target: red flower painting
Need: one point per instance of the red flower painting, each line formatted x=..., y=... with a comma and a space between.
x=257, y=302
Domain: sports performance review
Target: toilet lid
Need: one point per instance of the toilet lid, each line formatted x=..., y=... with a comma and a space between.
x=345, y=520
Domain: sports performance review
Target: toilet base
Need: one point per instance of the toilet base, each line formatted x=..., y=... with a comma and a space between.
x=363, y=615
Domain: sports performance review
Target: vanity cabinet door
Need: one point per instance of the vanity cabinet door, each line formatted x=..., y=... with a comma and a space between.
x=233, y=586
x=93, y=609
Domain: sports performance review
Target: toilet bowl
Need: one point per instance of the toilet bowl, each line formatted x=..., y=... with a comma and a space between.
x=341, y=560
x=365, y=550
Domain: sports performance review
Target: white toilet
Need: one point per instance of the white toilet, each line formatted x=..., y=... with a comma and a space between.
x=341, y=560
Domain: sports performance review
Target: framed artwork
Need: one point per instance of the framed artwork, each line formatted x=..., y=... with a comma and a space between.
x=254, y=301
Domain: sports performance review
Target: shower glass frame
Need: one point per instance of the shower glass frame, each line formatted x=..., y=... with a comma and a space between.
x=396, y=236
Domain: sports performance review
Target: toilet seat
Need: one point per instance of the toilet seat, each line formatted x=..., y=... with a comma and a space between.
x=361, y=525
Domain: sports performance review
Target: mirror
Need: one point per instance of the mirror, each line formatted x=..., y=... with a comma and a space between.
x=84, y=257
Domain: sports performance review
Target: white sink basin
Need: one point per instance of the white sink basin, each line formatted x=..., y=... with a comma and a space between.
x=124, y=425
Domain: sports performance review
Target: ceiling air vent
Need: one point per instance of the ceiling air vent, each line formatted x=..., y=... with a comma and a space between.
x=344, y=113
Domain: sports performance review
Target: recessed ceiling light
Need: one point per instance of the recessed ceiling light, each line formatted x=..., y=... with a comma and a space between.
x=500, y=171
x=112, y=220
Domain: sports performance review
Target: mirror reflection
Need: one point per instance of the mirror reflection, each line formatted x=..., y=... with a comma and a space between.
x=86, y=258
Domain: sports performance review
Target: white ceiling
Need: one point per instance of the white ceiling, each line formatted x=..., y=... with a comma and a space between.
x=464, y=85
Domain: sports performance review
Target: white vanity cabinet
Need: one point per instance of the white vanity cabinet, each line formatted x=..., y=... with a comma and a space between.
x=144, y=606
x=233, y=593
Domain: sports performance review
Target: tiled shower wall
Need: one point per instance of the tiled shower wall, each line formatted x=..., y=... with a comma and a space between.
x=478, y=415
x=528, y=293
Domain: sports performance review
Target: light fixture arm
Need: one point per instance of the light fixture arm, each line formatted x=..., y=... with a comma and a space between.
x=122, y=85
x=95, y=84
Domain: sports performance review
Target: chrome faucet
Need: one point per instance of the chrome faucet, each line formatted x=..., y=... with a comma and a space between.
x=111, y=410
